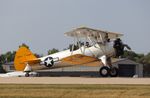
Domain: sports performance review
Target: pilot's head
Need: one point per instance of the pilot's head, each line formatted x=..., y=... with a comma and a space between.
x=118, y=39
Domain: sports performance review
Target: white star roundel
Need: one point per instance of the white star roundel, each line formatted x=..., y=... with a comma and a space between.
x=48, y=61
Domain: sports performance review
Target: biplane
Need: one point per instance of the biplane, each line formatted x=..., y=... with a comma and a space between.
x=89, y=46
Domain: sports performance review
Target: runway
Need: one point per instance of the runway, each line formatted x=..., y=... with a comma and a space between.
x=72, y=80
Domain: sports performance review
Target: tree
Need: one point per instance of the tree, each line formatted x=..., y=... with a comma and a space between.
x=53, y=51
x=2, y=59
x=25, y=45
x=134, y=56
x=38, y=55
x=7, y=57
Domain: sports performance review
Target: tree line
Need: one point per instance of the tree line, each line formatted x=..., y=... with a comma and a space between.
x=10, y=55
x=139, y=58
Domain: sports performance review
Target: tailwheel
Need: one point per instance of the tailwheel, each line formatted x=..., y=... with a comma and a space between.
x=113, y=72
x=104, y=71
x=27, y=74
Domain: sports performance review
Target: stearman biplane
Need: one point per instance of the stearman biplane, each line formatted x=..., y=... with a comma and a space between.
x=91, y=47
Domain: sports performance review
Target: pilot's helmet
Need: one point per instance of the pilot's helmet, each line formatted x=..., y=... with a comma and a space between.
x=118, y=39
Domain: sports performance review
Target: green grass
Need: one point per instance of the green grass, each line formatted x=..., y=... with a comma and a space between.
x=74, y=91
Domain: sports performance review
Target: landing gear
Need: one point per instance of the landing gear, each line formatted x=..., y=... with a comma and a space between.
x=27, y=70
x=108, y=71
x=27, y=74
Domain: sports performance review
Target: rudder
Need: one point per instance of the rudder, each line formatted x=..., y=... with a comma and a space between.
x=23, y=55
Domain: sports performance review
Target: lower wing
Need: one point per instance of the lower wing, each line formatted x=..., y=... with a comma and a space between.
x=79, y=59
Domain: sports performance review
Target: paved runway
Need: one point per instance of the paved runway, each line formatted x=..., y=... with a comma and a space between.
x=72, y=80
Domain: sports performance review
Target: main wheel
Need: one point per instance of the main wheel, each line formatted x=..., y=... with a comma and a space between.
x=104, y=71
x=113, y=72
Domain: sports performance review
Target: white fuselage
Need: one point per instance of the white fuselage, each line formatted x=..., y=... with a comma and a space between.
x=96, y=51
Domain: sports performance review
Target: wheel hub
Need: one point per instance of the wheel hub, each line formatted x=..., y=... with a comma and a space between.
x=104, y=71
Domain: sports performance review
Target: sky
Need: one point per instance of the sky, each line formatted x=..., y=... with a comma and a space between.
x=41, y=24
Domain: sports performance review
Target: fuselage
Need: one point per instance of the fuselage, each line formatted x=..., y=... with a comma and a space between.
x=97, y=50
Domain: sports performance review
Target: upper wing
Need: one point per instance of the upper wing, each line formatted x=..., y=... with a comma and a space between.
x=79, y=59
x=92, y=33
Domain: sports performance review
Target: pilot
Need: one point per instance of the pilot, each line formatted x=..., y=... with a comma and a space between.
x=87, y=44
x=119, y=47
x=106, y=38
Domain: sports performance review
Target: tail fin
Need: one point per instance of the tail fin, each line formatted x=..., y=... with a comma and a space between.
x=23, y=56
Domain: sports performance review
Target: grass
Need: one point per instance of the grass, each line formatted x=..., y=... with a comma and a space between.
x=74, y=91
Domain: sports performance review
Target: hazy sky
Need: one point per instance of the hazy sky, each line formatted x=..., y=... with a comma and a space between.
x=41, y=24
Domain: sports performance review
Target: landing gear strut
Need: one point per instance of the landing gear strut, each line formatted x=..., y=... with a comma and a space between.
x=27, y=70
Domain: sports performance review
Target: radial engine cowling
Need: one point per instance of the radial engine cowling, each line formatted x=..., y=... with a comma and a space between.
x=49, y=62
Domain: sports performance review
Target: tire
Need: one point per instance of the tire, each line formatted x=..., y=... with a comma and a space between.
x=27, y=74
x=113, y=72
x=104, y=71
